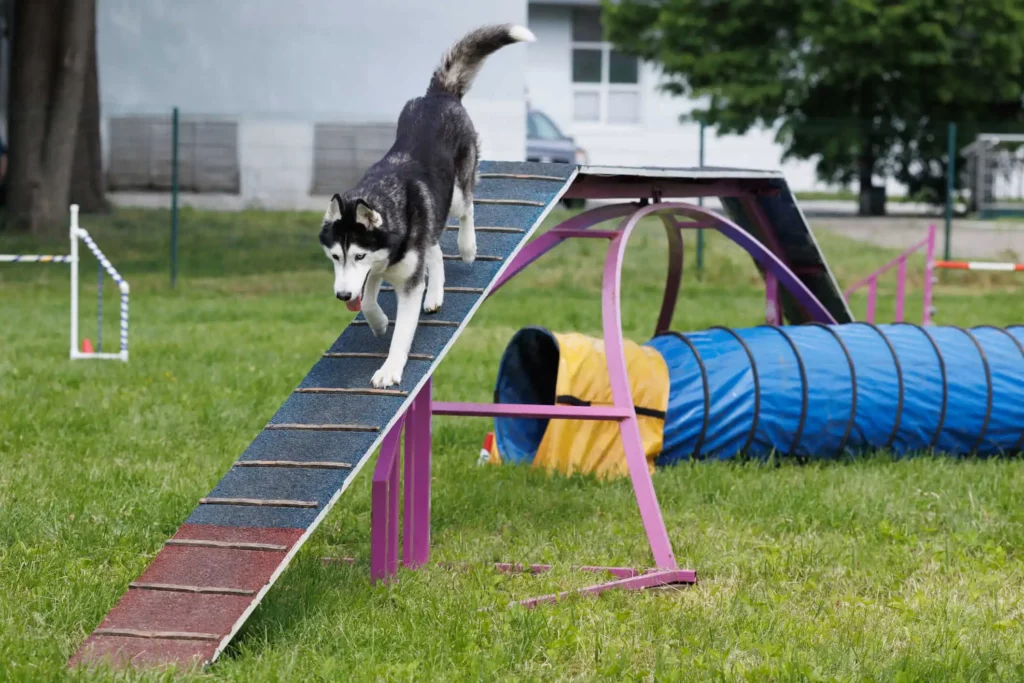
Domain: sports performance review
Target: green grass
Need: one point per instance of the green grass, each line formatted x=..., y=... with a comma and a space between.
x=874, y=570
x=844, y=196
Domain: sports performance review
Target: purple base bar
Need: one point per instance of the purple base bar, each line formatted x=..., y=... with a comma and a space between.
x=900, y=263
x=617, y=572
x=655, y=579
x=531, y=410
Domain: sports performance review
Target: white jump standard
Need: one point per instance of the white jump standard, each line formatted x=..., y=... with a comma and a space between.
x=77, y=233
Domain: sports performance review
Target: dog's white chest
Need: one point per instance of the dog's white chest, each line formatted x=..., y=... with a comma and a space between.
x=404, y=269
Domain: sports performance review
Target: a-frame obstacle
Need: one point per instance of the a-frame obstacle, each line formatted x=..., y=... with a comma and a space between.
x=199, y=590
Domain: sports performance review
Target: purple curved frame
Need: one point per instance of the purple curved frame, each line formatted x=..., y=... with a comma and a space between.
x=622, y=409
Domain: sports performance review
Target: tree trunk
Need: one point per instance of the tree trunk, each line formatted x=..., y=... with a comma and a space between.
x=47, y=84
x=33, y=48
x=87, y=187
x=871, y=199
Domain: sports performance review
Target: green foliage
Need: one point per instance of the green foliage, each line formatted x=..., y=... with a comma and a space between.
x=869, y=85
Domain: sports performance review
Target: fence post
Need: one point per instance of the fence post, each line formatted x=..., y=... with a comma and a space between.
x=174, y=197
x=950, y=184
x=700, y=202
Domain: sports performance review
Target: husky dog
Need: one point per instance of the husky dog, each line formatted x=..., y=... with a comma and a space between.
x=389, y=226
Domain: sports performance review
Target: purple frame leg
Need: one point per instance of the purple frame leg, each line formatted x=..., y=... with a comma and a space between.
x=901, y=288
x=384, y=508
x=622, y=398
x=929, y=276
x=674, y=277
x=772, y=308
x=416, y=520
x=872, y=295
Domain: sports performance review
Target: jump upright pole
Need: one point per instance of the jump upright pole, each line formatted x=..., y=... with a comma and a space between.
x=75, y=235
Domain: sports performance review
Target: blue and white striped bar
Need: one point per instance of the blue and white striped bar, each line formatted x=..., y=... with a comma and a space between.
x=34, y=258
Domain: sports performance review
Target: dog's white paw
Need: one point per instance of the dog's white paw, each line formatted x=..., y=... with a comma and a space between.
x=467, y=246
x=388, y=375
x=377, y=320
x=433, y=300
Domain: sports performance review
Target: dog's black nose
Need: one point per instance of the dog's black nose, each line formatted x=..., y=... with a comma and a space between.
x=343, y=296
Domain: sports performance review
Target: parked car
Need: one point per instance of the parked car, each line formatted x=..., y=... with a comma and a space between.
x=546, y=143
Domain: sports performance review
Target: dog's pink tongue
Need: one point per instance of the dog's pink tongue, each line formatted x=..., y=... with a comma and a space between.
x=354, y=304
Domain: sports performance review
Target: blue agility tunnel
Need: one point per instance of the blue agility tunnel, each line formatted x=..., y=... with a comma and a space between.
x=811, y=391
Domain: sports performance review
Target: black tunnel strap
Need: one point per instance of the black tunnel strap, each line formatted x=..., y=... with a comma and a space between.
x=853, y=383
x=707, y=392
x=757, y=384
x=945, y=381
x=1020, y=347
x=570, y=400
x=899, y=378
x=803, y=387
x=1019, y=446
x=988, y=384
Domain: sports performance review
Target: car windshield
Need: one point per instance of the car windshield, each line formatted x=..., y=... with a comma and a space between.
x=540, y=126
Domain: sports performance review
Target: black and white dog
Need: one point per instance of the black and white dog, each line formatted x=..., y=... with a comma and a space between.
x=389, y=226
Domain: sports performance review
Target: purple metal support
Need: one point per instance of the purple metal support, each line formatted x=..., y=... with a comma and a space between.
x=531, y=410
x=756, y=213
x=654, y=579
x=674, y=278
x=772, y=308
x=583, y=232
x=622, y=398
x=901, y=288
x=551, y=239
x=764, y=257
x=929, y=276
x=872, y=295
x=417, y=422
x=416, y=520
x=617, y=572
x=384, y=508
x=900, y=262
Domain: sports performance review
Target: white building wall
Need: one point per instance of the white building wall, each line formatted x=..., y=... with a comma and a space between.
x=277, y=67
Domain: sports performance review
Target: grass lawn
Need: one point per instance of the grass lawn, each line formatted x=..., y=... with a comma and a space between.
x=873, y=570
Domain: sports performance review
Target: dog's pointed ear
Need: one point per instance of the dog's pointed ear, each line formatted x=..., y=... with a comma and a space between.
x=367, y=215
x=334, y=209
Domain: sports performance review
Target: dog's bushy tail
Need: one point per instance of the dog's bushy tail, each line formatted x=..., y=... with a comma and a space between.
x=463, y=60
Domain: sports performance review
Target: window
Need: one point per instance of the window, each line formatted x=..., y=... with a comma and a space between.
x=342, y=152
x=605, y=83
x=140, y=154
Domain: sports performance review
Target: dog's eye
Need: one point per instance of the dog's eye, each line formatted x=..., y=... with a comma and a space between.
x=360, y=257
x=336, y=258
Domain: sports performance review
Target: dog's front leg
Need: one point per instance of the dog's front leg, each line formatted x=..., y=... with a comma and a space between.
x=406, y=320
x=375, y=316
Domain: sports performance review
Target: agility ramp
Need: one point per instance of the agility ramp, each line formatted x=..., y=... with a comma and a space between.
x=201, y=587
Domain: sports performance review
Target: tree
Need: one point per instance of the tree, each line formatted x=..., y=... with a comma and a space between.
x=87, y=188
x=865, y=86
x=49, y=64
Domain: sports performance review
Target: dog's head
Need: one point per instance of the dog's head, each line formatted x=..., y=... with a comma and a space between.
x=353, y=238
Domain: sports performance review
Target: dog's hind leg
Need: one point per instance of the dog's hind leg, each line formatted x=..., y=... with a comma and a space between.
x=375, y=316
x=462, y=208
x=435, y=280
x=406, y=319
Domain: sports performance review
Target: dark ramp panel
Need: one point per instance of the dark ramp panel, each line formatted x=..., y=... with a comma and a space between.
x=745, y=193
x=200, y=588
